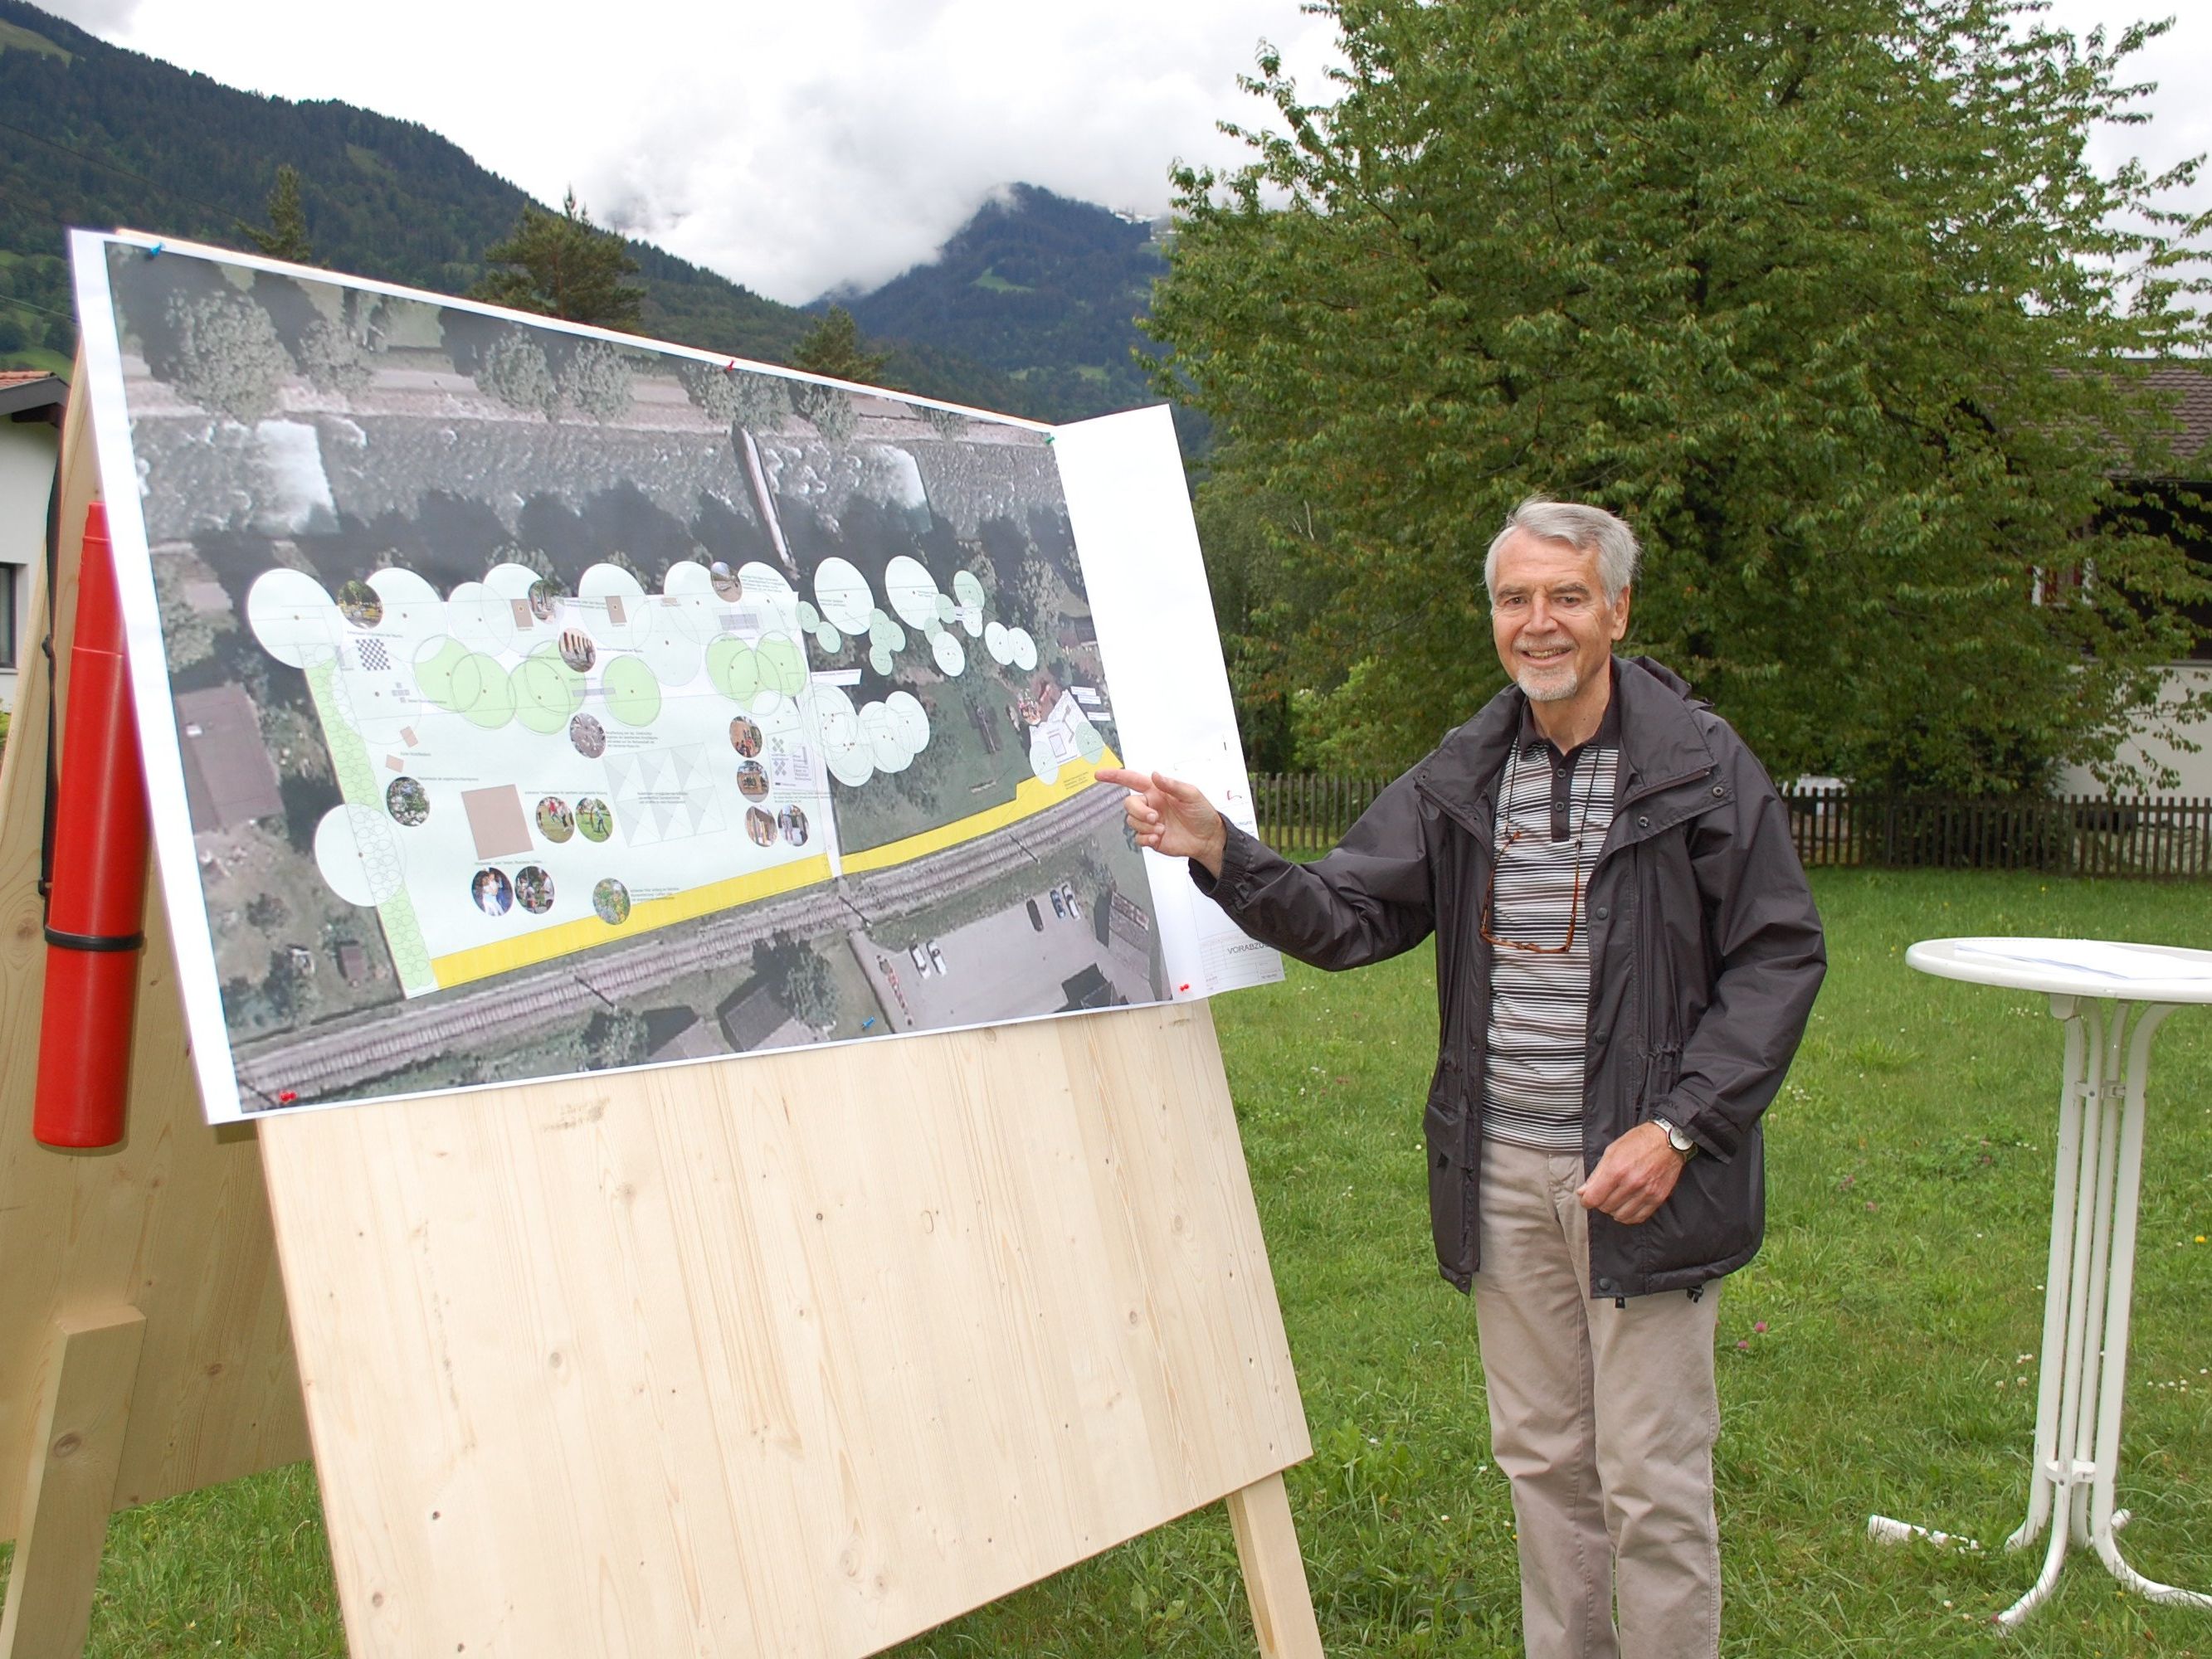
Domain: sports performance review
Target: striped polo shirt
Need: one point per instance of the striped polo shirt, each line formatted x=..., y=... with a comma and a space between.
x=1553, y=811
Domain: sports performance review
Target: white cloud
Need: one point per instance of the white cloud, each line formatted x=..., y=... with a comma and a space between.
x=834, y=143
x=101, y=17
x=794, y=148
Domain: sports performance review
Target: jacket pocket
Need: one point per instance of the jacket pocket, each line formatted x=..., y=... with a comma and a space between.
x=1444, y=1128
x=1712, y=1221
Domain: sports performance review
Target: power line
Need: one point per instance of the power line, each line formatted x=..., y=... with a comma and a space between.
x=11, y=300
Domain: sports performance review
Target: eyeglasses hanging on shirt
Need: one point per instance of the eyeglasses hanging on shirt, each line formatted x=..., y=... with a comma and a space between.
x=1516, y=832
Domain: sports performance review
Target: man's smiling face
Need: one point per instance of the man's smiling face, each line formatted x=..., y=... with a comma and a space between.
x=1548, y=614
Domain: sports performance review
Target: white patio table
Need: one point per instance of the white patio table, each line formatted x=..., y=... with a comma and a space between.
x=2112, y=998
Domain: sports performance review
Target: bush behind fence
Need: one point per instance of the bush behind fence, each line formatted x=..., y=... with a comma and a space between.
x=2071, y=834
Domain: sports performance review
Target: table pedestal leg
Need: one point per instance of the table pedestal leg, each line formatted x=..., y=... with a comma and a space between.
x=2088, y=1294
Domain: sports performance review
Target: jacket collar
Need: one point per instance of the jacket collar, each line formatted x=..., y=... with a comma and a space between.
x=1661, y=743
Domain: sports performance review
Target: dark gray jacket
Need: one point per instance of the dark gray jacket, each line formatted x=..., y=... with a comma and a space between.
x=1705, y=953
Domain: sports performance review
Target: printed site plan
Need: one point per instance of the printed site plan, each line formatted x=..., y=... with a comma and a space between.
x=545, y=702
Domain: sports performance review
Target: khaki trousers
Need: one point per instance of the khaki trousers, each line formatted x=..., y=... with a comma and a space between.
x=1603, y=1419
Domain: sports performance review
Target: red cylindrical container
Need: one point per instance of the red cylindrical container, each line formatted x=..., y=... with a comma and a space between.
x=95, y=910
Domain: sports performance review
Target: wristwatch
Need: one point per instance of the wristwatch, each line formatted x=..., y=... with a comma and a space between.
x=1680, y=1142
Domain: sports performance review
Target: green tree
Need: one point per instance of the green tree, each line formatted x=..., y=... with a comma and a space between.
x=802, y=977
x=514, y=369
x=809, y=990
x=223, y=352
x=287, y=235
x=1828, y=302
x=832, y=347
x=613, y=1037
x=561, y=265
x=597, y=379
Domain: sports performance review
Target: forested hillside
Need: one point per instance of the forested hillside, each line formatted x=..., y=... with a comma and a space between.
x=92, y=135
x=1044, y=289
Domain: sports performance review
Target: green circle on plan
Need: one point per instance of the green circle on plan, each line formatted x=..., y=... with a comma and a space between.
x=434, y=668
x=880, y=660
x=546, y=692
x=809, y=618
x=782, y=666
x=632, y=693
x=829, y=639
x=1089, y=744
x=967, y=589
x=946, y=608
x=482, y=692
x=885, y=635
x=733, y=669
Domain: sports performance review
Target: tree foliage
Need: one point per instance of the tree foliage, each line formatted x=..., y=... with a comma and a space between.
x=514, y=370
x=1828, y=301
x=832, y=347
x=615, y=1037
x=803, y=980
x=561, y=265
x=287, y=235
x=221, y=351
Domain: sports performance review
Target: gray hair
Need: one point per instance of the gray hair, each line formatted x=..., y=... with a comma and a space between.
x=1591, y=529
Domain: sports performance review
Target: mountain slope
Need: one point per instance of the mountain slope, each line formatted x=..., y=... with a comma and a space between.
x=93, y=135
x=1042, y=288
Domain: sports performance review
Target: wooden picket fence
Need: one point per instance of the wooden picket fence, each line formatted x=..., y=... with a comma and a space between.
x=2070, y=835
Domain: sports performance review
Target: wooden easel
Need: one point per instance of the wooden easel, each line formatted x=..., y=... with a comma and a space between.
x=796, y=1354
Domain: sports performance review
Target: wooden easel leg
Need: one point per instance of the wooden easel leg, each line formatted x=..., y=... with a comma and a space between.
x=70, y=1488
x=1274, y=1572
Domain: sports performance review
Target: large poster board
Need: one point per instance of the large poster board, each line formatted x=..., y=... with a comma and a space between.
x=520, y=699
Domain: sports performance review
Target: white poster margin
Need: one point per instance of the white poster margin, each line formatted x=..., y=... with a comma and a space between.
x=1128, y=505
x=191, y=929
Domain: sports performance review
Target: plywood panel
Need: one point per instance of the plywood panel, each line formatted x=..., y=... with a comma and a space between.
x=795, y=1354
x=173, y=1222
x=68, y=1489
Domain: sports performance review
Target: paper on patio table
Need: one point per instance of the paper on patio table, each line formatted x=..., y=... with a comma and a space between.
x=2122, y=963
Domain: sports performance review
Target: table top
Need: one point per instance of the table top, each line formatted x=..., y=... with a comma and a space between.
x=2072, y=967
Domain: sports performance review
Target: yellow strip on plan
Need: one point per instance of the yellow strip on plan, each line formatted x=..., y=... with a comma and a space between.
x=1032, y=797
x=527, y=950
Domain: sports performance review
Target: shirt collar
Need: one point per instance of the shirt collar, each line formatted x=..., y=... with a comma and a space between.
x=1607, y=735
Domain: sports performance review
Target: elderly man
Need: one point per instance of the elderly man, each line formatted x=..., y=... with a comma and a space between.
x=1627, y=953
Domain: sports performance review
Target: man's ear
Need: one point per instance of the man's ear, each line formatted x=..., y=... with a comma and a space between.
x=1620, y=612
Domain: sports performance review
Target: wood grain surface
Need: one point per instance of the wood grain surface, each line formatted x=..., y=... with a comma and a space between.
x=173, y=1223
x=68, y=1489
x=792, y=1354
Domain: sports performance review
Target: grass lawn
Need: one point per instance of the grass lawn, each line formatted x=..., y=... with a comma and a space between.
x=1871, y=1356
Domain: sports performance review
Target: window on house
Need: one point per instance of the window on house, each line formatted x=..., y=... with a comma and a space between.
x=10, y=583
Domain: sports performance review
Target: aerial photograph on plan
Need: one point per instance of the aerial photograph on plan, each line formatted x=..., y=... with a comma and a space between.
x=549, y=704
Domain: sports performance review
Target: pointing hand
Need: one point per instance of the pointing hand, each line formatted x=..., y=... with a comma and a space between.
x=1171, y=817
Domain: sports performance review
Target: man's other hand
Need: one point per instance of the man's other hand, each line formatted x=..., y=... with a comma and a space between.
x=1634, y=1177
x=1172, y=818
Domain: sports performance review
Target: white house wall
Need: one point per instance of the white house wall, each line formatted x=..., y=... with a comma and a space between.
x=2195, y=769
x=26, y=480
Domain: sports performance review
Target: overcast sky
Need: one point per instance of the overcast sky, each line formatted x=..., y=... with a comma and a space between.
x=800, y=147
